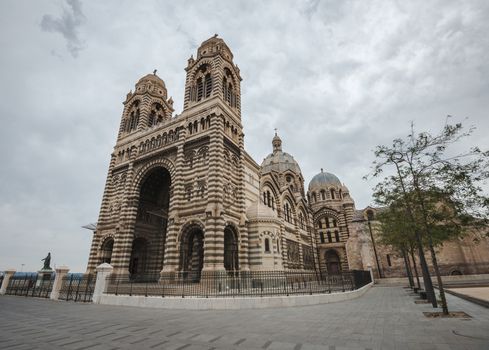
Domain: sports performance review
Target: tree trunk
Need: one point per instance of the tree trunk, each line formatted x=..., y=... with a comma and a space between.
x=432, y=250
x=408, y=270
x=428, y=285
x=443, y=298
x=415, y=269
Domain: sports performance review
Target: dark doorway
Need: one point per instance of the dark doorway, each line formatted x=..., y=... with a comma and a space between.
x=138, y=262
x=152, y=217
x=231, y=262
x=333, y=263
x=192, y=254
x=106, y=251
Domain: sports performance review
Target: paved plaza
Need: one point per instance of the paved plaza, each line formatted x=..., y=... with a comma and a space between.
x=384, y=318
x=481, y=293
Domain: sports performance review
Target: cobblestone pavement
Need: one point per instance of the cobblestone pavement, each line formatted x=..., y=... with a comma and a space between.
x=384, y=318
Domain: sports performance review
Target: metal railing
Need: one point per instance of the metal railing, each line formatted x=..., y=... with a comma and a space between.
x=235, y=283
x=30, y=285
x=77, y=287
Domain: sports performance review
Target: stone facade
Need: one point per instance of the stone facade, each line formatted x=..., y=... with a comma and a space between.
x=183, y=195
x=467, y=255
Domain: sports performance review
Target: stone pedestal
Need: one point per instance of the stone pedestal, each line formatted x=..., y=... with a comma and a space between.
x=44, y=276
x=58, y=281
x=8, y=274
x=103, y=271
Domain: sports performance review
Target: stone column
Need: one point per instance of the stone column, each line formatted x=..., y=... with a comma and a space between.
x=8, y=274
x=58, y=281
x=103, y=271
x=171, y=256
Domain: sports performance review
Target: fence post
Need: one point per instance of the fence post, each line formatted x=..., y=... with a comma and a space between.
x=371, y=273
x=6, y=279
x=103, y=271
x=58, y=281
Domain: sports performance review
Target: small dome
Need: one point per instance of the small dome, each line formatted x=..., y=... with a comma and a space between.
x=153, y=78
x=257, y=210
x=324, y=179
x=279, y=161
x=213, y=46
x=152, y=84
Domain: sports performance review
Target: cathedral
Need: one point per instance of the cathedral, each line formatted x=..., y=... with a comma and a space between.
x=183, y=195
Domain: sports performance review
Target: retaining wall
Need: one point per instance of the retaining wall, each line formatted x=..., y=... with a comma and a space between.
x=231, y=303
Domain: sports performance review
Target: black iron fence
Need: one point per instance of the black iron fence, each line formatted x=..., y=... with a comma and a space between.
x=77, y=287
x=236, y=283
x=31, y=285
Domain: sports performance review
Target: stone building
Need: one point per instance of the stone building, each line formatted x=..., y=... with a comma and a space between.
x=182, y=193
x=466, y=255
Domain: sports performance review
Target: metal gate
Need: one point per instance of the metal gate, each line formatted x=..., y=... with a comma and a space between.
x=31, y=285
x=77, y=287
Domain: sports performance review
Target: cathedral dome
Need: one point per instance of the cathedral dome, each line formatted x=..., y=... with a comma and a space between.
x=257, y=210
x=324, y=179
x=153, y=78
x=153, y=84
x=213, y=46
x=279, y=161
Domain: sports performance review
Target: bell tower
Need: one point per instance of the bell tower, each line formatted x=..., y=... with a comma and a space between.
x=146, y=107
x=213, y=74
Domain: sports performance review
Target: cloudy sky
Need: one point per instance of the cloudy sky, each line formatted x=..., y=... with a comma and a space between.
x=335, y=77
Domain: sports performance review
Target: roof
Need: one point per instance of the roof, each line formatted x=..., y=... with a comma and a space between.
x=324, y=179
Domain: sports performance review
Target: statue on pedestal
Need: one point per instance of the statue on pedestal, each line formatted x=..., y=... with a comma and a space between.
x=47, y=262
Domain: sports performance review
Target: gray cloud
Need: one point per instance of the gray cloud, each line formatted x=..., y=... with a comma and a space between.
x=67, y=25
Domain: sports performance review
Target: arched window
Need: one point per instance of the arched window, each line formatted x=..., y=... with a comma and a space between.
x=336, y=236
x=200, y=89
x=329, y=237
x=267, y=245
x=133, y=120
x=106, y=250
x=265, y=198
x=340, y=194
x=151, y=118
x=370, y=215
x=207, y=85
x=287, y=215
x=269, y=202
x=301, y=220
x=156, y=115
x=332, y=193
x=321, y=235
x=314, y=197
x=203, y=84
x=323, y=195
x=228, y=91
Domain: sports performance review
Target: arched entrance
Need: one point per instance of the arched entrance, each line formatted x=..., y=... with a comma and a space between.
x=152, y=216
x=192, y=253
x=138, y=262
x=333, y=262
x=231, y=262
x=106, y=251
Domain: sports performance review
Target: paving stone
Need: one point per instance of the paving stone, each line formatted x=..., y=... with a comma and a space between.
x=384, y=318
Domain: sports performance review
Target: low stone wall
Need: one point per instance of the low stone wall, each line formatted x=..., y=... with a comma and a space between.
x=230, y=303
x=456, y=278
